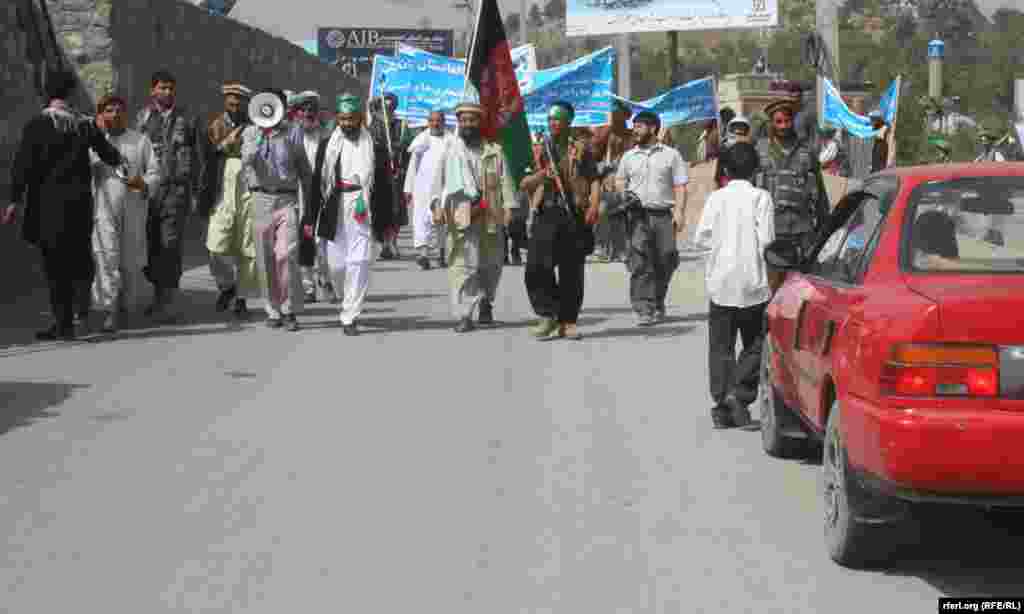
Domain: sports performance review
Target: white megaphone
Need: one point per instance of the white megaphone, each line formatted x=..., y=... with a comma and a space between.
x=266, y=110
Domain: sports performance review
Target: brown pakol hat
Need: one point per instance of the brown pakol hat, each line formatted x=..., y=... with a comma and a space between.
x=786, y=105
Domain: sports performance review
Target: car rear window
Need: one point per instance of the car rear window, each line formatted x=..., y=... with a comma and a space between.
x=973, y=225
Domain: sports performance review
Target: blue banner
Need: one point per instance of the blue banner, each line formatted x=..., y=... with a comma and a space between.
x=425, y=82
x=585, y=83
x=690, y=102
x=836, y=113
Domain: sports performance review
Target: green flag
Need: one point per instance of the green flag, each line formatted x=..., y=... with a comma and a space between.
x=491, y=76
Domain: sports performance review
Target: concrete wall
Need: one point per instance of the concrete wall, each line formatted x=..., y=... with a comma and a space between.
x=117, y=44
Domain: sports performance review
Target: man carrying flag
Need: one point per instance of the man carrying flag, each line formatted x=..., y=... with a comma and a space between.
x=489, y=70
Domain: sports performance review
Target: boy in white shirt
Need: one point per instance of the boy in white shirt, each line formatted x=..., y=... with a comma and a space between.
x=738, y=222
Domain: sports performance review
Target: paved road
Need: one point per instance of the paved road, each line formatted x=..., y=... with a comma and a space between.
x=215, y=468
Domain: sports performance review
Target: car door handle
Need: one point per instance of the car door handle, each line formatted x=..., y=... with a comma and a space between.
x=799, y=324
x=826, y=343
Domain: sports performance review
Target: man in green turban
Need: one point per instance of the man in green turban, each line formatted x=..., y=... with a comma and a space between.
x=338, y=210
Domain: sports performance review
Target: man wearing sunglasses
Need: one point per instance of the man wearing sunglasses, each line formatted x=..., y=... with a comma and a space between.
x=790, y=172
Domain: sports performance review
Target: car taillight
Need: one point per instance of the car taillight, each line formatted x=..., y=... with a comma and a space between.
x=920, y=370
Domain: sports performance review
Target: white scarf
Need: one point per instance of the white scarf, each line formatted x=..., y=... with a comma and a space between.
x=363, y=153
x=64, y=118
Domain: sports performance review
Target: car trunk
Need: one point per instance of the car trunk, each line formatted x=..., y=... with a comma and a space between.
x=976, y=308
x=984, y=309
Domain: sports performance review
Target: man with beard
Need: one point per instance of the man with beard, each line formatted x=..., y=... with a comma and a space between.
x=337, y=208
x=789, y=171
x=609, y=144
x=316, y=278
x=172, y=133
x=559, y=188
x=477, y=200
x=51, y=175
x=657, y=175
x=276, y=161
x=226, y=200
x=119, y=234
x=427, y=151
x=388, y=209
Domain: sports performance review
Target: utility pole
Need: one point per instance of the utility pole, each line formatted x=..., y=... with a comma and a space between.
x=467, y=5
x=523, y=9
x=673, y=58
x=826, y=21
x=625, y=65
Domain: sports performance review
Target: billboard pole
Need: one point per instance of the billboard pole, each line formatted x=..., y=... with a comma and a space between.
x=523, y=32
x=625, y=74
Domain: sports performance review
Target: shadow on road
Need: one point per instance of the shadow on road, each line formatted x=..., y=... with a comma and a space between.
x=968, y=552
x=378, y=326
x=650, y=332
x=689, y=317
x=22, y=403
x=387, y=298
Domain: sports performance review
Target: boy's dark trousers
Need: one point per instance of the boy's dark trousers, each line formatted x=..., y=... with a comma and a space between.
x=727, y=375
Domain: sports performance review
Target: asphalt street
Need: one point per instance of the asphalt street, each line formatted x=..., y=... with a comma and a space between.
x=212, y=467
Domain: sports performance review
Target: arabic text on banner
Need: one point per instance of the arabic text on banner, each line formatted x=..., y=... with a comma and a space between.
x=694, y=101
x=585, y=83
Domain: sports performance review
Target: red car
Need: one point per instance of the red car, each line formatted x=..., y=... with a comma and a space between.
x=898, y=343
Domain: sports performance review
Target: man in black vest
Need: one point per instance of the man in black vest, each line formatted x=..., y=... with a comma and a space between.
x=790, y=172
x=173, y=134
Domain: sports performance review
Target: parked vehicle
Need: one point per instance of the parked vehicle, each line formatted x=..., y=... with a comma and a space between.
x=898, y=344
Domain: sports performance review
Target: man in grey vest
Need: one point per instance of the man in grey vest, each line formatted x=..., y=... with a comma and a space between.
x=790, y=172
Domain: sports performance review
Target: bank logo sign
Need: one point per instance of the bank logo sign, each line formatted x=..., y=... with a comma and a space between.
x=352, y=49
x=598, y=17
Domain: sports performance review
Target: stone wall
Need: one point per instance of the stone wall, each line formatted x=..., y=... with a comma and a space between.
x=117, y=44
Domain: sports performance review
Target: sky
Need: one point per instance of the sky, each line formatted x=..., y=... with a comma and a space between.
x=298, y=19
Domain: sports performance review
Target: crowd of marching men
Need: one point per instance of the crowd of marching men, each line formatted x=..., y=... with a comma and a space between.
x=298, y=209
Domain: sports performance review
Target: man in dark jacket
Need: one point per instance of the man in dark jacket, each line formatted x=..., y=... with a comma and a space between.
x=386, y=205
x=173, y=135
x=52, y=176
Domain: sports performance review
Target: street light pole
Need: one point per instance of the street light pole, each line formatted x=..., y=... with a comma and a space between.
x=466, y=5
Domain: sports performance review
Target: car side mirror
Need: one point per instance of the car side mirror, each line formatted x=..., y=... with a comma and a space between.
x=783, y=256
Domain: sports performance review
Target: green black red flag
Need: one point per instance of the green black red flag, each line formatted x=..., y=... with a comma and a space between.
x=490, y=72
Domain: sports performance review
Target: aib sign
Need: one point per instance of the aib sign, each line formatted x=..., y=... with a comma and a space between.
x=352, y=49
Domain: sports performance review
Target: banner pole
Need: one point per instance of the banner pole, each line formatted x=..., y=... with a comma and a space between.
x=471, y=51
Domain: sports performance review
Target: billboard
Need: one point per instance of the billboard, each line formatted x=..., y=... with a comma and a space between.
x=216, y=7
x=599, y=17
x=352, y=49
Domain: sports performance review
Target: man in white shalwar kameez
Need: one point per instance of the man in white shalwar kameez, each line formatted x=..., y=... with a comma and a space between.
x=338, y=208
x=427, y=151
x=119, y=233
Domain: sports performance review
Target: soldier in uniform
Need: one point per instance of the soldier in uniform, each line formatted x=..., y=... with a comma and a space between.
x=790, y=172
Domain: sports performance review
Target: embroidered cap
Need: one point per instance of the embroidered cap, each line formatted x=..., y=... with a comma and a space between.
x=237, y=89
x=349, y=103
x=468, y=107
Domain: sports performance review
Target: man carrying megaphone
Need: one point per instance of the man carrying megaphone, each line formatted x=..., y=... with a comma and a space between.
x=274, y=155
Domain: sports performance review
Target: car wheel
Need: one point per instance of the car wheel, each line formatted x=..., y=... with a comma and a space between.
x=851, y=540
x=774, y=413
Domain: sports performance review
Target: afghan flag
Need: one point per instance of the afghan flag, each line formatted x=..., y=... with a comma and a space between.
x=489, y=71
